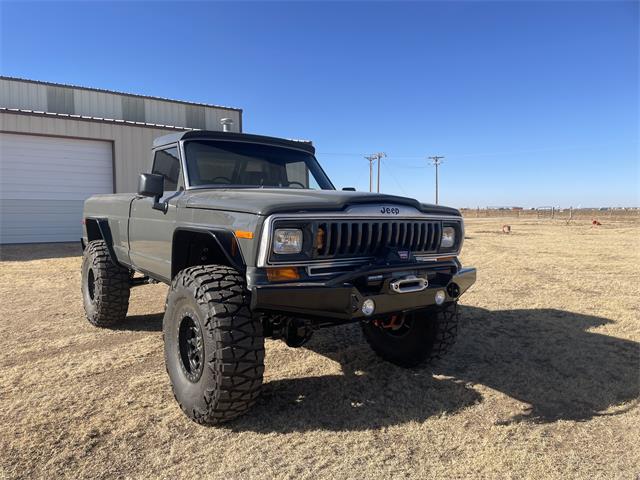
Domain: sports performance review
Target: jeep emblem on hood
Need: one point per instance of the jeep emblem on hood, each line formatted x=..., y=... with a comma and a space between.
x=384, y=210
x=390, y=210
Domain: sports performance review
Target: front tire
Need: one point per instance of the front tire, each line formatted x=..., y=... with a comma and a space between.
x=419, y=339
x=213, y=345
x=105, y=286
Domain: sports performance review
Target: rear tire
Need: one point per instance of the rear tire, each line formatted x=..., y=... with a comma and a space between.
x=105, y=286
x=427, y=335
x=214, y=347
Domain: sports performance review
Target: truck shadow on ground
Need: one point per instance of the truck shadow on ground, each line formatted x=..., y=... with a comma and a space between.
x=151, y=322
x=546, y=358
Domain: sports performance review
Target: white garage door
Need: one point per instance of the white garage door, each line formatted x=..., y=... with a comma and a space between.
x=43, y=183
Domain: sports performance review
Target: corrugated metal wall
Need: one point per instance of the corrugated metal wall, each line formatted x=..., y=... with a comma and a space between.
x=23, y=95
x=97, y=104
x=27, y=95
x=48, y=133
x=131, y=144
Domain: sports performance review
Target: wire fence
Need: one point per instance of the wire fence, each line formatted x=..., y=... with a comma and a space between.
x=553, y=213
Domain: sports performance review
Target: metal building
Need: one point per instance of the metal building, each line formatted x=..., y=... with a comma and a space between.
x=59, y=144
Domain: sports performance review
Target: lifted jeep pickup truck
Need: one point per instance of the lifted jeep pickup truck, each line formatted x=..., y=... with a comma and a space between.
x=255, y=242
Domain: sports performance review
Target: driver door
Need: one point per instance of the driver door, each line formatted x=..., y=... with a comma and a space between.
x=150, y=230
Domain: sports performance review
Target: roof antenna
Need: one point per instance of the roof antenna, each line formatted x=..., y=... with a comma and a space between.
x=226, y=124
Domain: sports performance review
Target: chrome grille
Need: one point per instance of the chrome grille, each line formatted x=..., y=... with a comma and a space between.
x=348, y=239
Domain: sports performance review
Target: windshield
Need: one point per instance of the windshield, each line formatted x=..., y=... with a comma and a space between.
x=238, y=164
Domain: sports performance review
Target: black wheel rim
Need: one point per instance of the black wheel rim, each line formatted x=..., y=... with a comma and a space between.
x=91, y=284
x=191, y=348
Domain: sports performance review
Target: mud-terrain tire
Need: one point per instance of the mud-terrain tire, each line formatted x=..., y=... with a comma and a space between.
x=213, y=345
x=429, y=336
x=105, y=286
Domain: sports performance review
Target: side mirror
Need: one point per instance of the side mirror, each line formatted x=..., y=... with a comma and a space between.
x=349, y=189
x=152, y=185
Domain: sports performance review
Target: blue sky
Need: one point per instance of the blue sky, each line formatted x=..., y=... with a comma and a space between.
x=531, y=103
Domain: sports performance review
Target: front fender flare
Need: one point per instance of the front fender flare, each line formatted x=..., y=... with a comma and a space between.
x=225, y=240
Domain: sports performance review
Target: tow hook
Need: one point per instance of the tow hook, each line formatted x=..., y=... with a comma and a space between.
x=394, y=322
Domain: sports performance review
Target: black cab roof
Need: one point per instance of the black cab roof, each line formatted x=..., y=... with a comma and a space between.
x=232, y=136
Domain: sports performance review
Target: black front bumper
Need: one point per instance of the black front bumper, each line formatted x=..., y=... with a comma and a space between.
x=342, y=300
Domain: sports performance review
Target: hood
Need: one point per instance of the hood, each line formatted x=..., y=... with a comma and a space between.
x=265, y=201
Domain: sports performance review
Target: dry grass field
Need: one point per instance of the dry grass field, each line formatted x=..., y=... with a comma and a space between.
x=543, y=383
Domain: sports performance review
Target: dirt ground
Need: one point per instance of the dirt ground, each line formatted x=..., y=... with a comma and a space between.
x=543, y=383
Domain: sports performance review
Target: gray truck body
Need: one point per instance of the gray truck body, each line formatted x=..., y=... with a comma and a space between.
x=237, y=225
x=255, y=242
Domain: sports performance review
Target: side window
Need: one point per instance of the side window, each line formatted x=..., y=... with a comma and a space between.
x=166, y=163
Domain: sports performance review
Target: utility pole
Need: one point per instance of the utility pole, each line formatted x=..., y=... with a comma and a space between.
x=371, y=158
x=379, y=156
x=436, y=160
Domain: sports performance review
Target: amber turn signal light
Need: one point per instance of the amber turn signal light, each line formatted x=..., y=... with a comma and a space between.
x=284, y=273
x=244, y=234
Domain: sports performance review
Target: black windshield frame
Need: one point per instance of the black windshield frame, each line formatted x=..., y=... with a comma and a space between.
x=258, y=151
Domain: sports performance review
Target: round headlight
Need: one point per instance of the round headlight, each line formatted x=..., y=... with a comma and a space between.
x=287, y=240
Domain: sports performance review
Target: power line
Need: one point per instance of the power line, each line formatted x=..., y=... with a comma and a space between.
x=395, y=179
x=436, y=160
x=491, y=154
